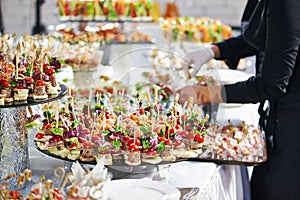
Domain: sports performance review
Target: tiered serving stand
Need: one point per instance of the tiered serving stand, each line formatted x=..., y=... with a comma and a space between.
x=14, y=158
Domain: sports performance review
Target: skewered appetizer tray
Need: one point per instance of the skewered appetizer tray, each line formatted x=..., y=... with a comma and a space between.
x=27, y=76
x=132, y=132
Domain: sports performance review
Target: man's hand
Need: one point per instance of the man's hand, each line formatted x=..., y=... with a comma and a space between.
x=200, y=94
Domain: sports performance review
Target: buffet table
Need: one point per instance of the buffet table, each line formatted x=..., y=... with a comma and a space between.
x=195, y=180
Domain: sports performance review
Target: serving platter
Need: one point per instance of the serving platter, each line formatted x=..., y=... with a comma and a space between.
x=136, y=189
x=208, y=155
x=118, y=165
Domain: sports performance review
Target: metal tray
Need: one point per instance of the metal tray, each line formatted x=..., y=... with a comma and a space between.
x=118, y=165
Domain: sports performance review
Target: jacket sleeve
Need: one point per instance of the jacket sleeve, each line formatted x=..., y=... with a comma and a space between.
x=281, y=49
x=231, y=50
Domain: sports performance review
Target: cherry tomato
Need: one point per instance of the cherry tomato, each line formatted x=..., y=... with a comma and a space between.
x=14, y=194
x=50, y=71
x=169, y=142
x=30, y=80
x=133, y=147
x=137, y=142
x=177, y=126
x=58, y=194
x=172, y=131
x=58, y=191
x=45, y=66
x=98, y=91
x=73, y=145
x=141, y=111
x=151, y=152
x=199, y=138
x=110, y=90
x=39, y=135
x=5, y=84
x=168, y=90
x=40, y=83
x=111, y=137
x=127, y=138
x=161, y=139
x=56, y=139
x=48, y=126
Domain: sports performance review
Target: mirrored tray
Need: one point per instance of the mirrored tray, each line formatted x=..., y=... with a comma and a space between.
x=118, y=164
x=255, y=161
x=31, y=102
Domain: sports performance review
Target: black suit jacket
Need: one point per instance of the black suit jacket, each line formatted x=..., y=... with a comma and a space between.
x=270, y=30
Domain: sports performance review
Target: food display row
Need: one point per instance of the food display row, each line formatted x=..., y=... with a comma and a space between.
x=105, y=10
x=99, y=33
x=202, y=30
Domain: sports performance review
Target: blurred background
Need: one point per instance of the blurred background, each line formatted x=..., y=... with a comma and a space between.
x=20, y=15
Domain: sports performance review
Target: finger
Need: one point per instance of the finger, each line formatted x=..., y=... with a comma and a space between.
x=186, y=71
x=195, y=71
x=183, y=98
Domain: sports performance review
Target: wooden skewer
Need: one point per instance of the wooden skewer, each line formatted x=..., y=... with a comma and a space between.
x=184, y=105
x=17, y=65
x=199, y=112
x=176, y=99
x=191, y=102
x=122, y=94
x=49, y=184
x=148, y=97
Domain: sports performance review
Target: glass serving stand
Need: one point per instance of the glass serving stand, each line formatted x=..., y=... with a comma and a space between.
x=14, y=157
